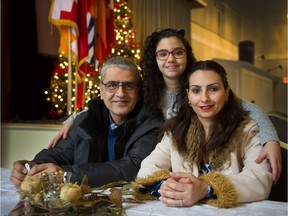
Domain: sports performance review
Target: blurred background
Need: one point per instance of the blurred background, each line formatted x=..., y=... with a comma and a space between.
x=248, y=37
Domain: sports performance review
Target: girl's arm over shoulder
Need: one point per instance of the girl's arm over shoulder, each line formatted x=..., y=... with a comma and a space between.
x=268, y=138
x=267, y=129
x=63, y=133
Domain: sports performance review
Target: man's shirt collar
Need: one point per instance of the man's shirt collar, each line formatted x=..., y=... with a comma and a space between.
x=113, y=126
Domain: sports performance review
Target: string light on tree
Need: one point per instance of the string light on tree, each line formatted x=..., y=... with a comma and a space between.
x=125, y=33
x=56, y=95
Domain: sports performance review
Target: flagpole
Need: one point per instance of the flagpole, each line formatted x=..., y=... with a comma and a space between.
x=69, y=86
x=96, y=65
x=76, y=88
x=84, y=84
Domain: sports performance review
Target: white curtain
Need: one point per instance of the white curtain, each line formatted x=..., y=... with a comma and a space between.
x=151, y=15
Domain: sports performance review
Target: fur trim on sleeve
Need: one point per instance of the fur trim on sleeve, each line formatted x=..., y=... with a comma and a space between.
x=227, y=195
x=140, y=184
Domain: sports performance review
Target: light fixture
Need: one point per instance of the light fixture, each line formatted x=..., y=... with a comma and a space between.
x=275, y=68
x=262, y=56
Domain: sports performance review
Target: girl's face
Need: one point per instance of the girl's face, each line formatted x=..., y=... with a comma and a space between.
x=206, y=94
x=172, y=67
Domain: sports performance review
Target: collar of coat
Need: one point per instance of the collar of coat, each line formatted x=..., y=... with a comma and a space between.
x=96, y=120
x=217, y=157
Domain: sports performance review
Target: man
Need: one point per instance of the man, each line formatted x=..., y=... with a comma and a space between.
x=108, y=142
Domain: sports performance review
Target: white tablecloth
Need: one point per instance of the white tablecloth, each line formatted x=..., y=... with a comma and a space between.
x=9, y=193
x=10, y=197
x=156, y=208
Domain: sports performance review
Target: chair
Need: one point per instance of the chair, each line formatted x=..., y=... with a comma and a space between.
x=279, y=190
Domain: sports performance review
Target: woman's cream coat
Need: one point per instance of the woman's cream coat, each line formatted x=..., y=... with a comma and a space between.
x=239, y=179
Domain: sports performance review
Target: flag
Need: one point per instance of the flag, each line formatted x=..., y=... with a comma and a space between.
x=101, y=31
x=63, y=14
x=110, y=27
x=86, y=37
x=105, y=29
x=91, y=32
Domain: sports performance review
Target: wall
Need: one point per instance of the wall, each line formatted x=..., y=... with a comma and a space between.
x=150, y=15
x=208, y=45
x=217, y=29
x=45, y=30
x=265, y=22
x=24, y=141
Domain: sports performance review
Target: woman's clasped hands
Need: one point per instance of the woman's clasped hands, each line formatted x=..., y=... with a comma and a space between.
x=182, y=189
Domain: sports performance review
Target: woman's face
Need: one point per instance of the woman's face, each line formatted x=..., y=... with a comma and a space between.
x=206, y=94
x=172, y=67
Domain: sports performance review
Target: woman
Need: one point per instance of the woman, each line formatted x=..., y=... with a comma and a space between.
x=167, y=58
x=210, y=146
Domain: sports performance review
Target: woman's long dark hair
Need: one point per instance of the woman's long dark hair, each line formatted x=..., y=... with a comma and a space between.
x=227, y=120
x=153, y=81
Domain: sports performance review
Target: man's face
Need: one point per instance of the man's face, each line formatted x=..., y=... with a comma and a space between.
x=122, y=99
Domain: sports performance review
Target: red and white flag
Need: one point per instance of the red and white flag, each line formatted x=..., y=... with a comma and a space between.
x=105, y=29
x=64, y=14
x=85, y=43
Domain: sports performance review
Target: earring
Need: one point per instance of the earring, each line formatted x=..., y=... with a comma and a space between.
x=189, y=103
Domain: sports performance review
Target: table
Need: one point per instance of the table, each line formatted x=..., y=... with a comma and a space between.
x=10, y=198
x=156, y=208
x=9, y=193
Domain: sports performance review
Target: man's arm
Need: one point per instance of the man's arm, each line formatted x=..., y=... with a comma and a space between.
x=63, y=153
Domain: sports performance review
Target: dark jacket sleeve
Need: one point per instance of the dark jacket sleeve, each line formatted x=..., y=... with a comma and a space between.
x=71, y=150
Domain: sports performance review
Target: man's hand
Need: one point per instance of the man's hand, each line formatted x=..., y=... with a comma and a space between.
x=272, y=152
x=19, y=172
x=63, y=133
x=43, y=168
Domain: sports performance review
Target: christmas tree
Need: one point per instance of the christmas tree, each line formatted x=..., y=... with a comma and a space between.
x=124, y=46
x=125, y=33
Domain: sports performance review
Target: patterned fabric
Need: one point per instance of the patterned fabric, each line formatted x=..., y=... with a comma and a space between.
x=153, y=190
x=167, y=103
x=204, y=169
